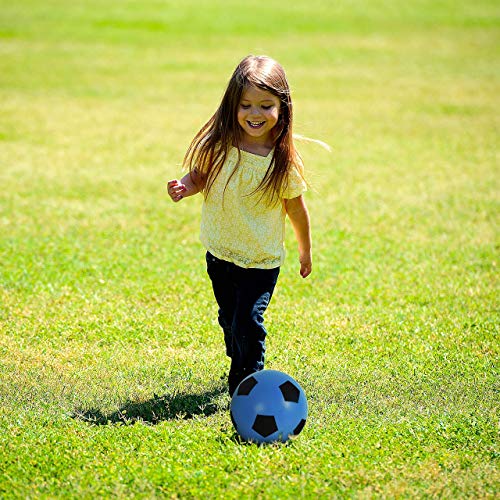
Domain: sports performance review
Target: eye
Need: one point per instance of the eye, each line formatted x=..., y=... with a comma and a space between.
x=267, y=107
x=245, y=106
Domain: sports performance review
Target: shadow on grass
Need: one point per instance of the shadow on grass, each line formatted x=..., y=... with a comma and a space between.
x=157, y=409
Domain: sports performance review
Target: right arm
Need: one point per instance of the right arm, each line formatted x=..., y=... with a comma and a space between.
x=191, y=184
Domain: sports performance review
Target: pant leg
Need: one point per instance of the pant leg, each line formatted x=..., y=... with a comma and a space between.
x=221, y=274
x=254, y=290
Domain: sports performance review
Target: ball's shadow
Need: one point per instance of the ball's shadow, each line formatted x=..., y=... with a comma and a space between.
x=159, y=408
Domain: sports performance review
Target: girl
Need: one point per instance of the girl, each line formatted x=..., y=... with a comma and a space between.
x=244, y=162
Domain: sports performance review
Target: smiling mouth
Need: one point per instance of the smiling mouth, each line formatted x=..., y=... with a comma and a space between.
x=255, y=124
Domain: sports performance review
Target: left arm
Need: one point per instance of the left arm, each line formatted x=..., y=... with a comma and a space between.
x=299, y=217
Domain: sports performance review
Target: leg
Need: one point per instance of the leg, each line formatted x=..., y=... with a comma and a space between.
x=254, y=291
x=221, y=275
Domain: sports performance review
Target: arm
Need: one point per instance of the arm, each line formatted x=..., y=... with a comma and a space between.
x=189, y=185
x=299, y=217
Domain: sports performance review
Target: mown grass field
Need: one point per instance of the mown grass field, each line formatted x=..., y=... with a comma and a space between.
x=112, y=370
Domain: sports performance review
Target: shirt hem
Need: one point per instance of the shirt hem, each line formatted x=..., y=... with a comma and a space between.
x=245, y=263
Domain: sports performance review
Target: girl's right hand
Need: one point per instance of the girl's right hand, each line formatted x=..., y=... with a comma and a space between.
x=176, y=190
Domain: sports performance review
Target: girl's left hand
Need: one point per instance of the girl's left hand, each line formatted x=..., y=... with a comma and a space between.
x=305, y=266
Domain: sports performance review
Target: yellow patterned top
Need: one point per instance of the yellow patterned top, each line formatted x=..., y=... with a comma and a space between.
x=238, y=226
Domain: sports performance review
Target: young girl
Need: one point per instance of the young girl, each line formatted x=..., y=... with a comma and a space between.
x=244, y=162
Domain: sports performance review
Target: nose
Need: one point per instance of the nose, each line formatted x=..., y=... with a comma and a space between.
x=254, y=111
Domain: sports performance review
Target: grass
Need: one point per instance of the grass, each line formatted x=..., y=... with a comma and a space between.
x=111, y=360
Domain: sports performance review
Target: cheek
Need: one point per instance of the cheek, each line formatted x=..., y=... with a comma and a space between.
x=240, y=116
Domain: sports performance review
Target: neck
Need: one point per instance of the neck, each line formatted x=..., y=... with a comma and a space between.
x=256, y=147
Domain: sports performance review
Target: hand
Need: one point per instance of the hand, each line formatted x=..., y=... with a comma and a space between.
x=305, y=264
x=176, y=190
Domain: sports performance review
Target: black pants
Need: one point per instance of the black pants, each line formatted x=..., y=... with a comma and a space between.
x=243, y=296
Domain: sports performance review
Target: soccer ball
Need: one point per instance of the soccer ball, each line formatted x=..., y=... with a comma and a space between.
x=268, y=406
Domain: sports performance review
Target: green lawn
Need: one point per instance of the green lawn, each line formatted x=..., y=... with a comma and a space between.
x=112, y=367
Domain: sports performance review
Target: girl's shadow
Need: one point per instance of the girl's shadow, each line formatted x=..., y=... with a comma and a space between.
x=153, y=411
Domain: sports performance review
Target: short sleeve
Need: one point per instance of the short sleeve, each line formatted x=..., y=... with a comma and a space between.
x=296, y=184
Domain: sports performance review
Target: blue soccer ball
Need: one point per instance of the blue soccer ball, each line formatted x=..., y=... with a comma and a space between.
x=268, y=406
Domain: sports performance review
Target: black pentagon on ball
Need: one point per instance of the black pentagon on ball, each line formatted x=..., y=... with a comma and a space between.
x=299, y=427
x=290, y=392
x=246, y=386
x=264, y=425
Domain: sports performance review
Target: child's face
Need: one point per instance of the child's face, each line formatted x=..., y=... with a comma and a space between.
x=258, y=113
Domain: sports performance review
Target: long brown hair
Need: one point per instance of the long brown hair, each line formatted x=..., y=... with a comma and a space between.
x=209, y=149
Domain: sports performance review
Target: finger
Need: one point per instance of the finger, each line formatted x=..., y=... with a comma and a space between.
x=305, y=270
x=177, y=187
x=177, y=192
